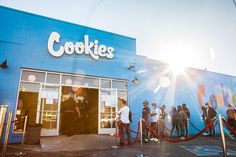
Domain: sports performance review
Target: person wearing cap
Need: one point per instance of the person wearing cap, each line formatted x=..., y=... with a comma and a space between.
x=124, y=123
x=146, y=117
x=210, y=116
x=153, y=119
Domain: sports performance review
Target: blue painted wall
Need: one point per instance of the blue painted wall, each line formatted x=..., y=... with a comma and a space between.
x=23, y=42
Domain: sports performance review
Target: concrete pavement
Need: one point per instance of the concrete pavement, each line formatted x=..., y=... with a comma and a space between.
x=101, y=146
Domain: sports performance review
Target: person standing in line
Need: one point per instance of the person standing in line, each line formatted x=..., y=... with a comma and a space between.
x=186, y=122
x=153, y=119
x=204, y=118
x=161, y=121
x=124, y=123
x=146, y=117
x=231, y=117
x=68, y=108
x=182, y=117
x=174, y=120
x=211, y=115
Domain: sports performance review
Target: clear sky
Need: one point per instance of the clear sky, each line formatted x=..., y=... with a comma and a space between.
x=194, y=33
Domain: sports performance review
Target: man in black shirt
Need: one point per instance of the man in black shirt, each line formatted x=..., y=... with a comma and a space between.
x=69, y=115
x=145, y=116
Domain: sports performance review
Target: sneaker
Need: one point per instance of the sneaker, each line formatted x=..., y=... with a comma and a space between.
x=156, y=140
x=152, y=139
x=146, y=140
x=182, y=138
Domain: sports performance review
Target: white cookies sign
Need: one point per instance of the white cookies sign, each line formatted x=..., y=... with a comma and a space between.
x=86, y=47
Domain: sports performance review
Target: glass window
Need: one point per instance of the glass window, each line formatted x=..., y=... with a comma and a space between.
x=119, y=84
x=79, y=81
x=105, y=83
x=29, y=87
x=33, y=76
x=107, y=108
x=53, y=78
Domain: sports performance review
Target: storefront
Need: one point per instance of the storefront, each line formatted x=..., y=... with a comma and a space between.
x=48, y=59
x=41, y=95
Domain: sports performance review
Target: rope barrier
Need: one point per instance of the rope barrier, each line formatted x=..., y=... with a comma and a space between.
x=187, y=139
x=124, y=141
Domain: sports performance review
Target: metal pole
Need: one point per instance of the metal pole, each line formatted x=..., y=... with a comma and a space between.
x=23, y=137
x=4, y=149
x=141, y=138
x=24, y=130
x=3, y=112
x=222, y=136
x=116, y=146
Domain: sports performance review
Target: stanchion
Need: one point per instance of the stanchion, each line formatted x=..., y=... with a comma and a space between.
x=3, y=112
x=4, y=149
x=222, y=136
x=116, y=136
x=23, y=136
x=141, y=140
x=188, y=125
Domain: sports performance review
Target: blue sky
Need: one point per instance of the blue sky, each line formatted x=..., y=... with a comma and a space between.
x=195, y=33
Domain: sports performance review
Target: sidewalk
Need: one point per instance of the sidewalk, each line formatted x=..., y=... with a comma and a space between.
x=101, y=146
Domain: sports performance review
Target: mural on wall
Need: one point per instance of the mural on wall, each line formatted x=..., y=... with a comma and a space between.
x=193, y=87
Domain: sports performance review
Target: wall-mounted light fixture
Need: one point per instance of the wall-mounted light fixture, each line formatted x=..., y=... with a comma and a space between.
x=135, y=80
x=4, y=65
x=131, y=67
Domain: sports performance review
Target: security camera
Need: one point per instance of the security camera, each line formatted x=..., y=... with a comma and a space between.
x=135, y=80
x=131, y=67
x=4, y=65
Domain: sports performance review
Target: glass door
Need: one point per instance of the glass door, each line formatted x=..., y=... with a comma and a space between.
x=107, y=111
x=48, y=109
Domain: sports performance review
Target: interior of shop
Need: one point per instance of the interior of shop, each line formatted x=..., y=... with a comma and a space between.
x=84, y=113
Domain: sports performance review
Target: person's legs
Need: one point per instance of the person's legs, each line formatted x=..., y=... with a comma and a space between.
x=176, y=127
x=186, y=127
x=121, y=133
x=173, y=127
x=127, y=130
x=144, y=128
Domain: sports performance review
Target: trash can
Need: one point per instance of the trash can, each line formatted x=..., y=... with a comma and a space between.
x=33, y=134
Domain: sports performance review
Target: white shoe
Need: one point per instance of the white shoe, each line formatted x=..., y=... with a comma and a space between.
x=156, y=140
x=182, y=138
x=152, y=139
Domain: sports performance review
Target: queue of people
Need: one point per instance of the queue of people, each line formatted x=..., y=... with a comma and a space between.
x=157, y=118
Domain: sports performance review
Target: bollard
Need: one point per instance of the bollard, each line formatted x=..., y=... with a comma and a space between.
x=4, y=149
x=23, y=137
x=3, y=112
x=141, y=139
x=222, y=136
x=116, y=146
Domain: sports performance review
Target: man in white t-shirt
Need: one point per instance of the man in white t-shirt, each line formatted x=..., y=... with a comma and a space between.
x=124, y=123
x=154, y=115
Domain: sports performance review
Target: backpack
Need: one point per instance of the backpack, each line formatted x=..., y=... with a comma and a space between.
x=130, y=116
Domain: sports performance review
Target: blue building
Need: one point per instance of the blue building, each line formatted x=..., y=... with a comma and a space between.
x=47, y=59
